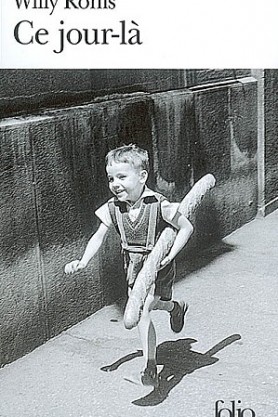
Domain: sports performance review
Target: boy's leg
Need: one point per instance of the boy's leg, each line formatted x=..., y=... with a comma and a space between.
x=166, y=305
x=148, y=339
x=164, y=286
x=177, y=310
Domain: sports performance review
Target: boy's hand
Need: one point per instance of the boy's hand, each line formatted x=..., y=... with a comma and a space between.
x=74, y=266
x=165, y=262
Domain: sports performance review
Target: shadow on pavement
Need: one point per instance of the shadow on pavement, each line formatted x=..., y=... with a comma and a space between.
x=178, y=360
x=196, y=258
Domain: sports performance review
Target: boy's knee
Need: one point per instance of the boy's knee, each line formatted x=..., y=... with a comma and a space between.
x=153, y=302
x=147, y=308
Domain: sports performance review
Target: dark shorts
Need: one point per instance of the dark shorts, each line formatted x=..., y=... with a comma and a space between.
x=164, y=280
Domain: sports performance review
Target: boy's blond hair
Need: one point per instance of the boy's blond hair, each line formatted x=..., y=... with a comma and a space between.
x=130, y=154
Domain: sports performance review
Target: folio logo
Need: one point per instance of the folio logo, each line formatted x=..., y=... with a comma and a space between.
x=234, y=410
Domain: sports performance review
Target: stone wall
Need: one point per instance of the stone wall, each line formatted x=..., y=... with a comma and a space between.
x=28, y=91
x=271, y=142
x=53, y=178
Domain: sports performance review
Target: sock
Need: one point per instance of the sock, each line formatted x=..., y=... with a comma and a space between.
x=151, y=364
x=176, y=304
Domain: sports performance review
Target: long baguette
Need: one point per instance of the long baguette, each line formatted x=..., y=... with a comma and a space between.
x=147, y=275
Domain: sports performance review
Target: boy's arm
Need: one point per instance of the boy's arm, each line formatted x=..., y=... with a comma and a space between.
x=185, y=230
x=91, y=249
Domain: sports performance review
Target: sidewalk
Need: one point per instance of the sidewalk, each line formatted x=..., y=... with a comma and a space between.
x=228, y=350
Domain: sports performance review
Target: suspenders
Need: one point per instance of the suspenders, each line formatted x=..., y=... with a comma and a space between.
x=118, y=219
x=134, y=256
x=152, y=226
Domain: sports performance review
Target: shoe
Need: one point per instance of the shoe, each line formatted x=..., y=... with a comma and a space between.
x=177, y=316
x=149, y=377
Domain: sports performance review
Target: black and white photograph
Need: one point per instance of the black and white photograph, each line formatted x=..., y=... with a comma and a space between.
x=139, y=208
x=138, y=242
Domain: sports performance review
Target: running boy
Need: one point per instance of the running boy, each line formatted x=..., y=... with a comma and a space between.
x=139, y=215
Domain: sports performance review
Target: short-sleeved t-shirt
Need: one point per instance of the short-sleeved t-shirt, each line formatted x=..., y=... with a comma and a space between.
x=169, y=211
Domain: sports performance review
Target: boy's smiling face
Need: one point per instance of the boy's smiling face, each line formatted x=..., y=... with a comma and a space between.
x=125, y=181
